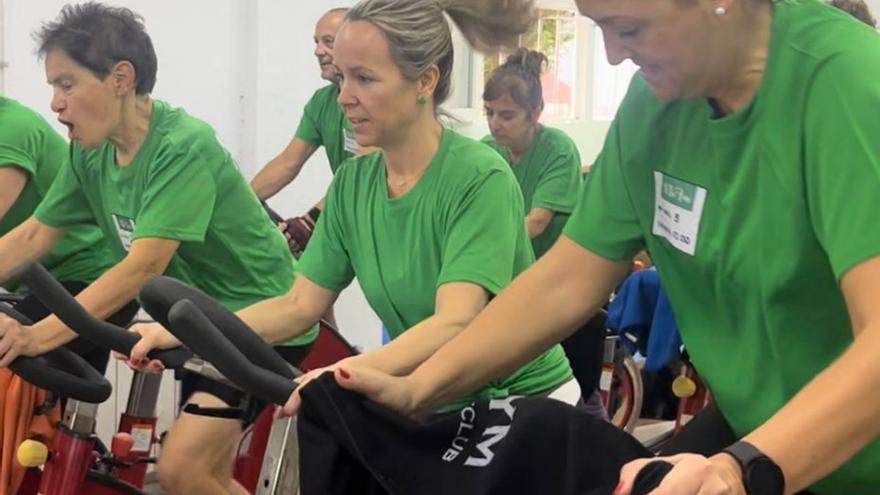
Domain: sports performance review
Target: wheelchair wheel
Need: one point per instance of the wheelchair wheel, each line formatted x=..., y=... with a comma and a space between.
x=626, y=394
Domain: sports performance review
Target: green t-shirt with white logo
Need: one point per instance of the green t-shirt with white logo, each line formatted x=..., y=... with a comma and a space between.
x=28, y=143
x=324, y=124
x=461, y=222
x=549, y=174
x=752, y=219
x=181, y=185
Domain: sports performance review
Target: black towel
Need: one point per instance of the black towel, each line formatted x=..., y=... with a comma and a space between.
x=349, y=445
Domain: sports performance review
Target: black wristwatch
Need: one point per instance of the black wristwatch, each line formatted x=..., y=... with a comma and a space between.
x=761, y=476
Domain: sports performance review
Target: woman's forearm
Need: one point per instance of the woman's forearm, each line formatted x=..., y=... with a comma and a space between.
x=830, y=420
x=539, y=309
x=278, y=319
x=403, y=354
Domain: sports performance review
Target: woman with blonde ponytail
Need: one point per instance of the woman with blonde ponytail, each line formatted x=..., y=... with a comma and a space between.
x=431, y=224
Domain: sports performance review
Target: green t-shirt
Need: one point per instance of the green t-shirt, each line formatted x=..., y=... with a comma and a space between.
x=549, y=174
x=28, y=143
x=752, y=219
x=462, y=222
x=181, y=185
x=324, y=124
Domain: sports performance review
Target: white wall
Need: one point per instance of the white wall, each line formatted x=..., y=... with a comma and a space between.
x=198, y=60
x=244, y=66
x=281, y=54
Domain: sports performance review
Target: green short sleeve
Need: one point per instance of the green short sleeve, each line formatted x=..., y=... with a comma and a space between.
x=485, y=235
x=843, y=160
x=179, y=199
x=65, y=204
x=558, y=186
x=12, y=155
x=309, y=129
x=605, y=220
x=20, y=140
x=326, y=261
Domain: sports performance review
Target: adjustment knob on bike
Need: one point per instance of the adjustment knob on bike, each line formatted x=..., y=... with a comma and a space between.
x=121, y=445
x=32, y=453
x=683, y=387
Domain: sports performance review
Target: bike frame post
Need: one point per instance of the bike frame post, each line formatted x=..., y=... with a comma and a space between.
x=280, y=472
x=139, y=420
x=71, y=452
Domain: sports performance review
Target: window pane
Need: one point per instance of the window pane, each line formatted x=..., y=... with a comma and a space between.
x=553, y=33
x=530, y=38
x=559, y=80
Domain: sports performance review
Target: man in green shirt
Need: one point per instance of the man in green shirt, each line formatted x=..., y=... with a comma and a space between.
x=323, y=123
x=745, y=159
x=171, y=200
x=31, y=156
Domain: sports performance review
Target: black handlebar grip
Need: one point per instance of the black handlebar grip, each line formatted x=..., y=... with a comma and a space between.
x=107, y=335
x=161, y=293
x=65, y=373
x=60, y=371
x=200, y=334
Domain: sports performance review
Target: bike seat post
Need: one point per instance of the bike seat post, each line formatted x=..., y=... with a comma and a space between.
x=143, y=395
x=80, y=417
x=280, y=469
x=139, y=421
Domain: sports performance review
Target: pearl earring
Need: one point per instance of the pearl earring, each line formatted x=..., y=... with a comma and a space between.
x=720, y=11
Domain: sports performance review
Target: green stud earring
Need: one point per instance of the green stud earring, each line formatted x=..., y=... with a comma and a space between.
x=421, y=100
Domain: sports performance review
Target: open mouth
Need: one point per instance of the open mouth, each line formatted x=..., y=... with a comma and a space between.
x=70, y=128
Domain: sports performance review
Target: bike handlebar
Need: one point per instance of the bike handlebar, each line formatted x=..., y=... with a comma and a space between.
x=161, y=293
x=99, y=332
x=60, y=371
x=273, y=215
x=197, y=331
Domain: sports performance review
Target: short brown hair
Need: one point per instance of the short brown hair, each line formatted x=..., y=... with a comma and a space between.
x=97, y=36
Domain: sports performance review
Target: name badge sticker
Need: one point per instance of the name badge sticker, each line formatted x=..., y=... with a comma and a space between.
x=351, y=144
x=125, y=230
x=678, y=209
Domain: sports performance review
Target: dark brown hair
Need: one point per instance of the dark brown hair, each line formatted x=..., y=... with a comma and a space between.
x=520, y=77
